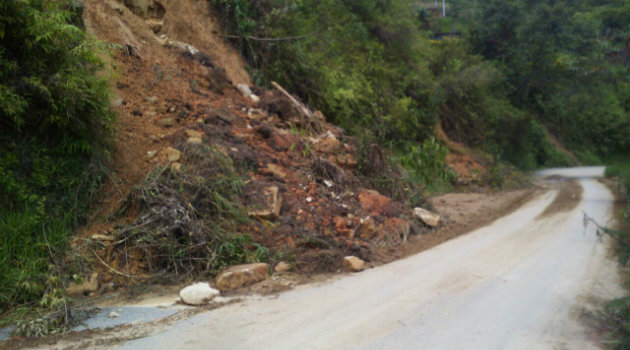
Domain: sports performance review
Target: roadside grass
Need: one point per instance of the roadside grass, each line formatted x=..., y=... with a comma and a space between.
x=34, y=270
x=616, y=313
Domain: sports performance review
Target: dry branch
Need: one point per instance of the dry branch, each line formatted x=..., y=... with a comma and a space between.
x=299, y=105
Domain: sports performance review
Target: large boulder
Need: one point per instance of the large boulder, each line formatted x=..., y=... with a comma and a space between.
x=238, y=276
x=429, y=218
x=198, y=294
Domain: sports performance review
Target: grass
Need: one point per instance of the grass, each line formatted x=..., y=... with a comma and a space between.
x=33, y=267
x=616, y=313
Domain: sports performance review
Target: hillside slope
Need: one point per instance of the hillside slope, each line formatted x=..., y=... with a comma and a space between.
x=184, y=130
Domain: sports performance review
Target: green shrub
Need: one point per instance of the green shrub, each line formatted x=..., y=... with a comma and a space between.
x=54, y=135
x=427, y=164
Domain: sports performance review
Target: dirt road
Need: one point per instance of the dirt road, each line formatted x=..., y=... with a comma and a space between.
x=521, y=282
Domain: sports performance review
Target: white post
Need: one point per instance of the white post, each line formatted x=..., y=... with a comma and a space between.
x=443, y=8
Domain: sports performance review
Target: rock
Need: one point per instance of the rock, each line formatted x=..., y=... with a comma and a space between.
x=256, y=114
x=162, y=40
x=191, y=50
x=326, y=143
x=194, y=141
x=151, y=154
x=266, y=203
x=151, y=99
x=367, y=229
x=101, y=237
x=397, y=227
x=176, y=166
x=90, y=284
x=346, y=160
x=172, y=154
x=353, y=263
x=374, y=203
x=118, y=102
x=255, y=99
x=282, y=266
x=241, y=275
x=427, y=217
x=155, y=24
x=194, y=133
x=244, y=89
x=278, y=139
x=222, y=115
x=167, y=122
x=113, y=314
x=273, y=169
x=343, y=226
x=198, y=294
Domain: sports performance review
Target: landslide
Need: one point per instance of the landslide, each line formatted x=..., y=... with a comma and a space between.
x=197, y=164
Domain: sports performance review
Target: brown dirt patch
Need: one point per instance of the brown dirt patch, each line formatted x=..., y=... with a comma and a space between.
x=568, y=197
x=470, y=166
x=466, y=212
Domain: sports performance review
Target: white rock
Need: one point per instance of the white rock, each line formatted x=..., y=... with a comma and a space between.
x=244, y=89
x=151, y=154
x=198, y=294
x=183, y=46
x=255, y=99
x=113, y=314
x=427, y=217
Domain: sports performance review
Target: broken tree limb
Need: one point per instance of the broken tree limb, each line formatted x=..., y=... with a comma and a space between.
x=300, y=106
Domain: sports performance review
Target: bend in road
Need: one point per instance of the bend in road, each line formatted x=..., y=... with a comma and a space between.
x=517, y=283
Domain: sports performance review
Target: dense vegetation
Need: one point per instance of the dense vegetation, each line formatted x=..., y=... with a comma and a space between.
x=496, y=75
x=54, y=127
x=616, y=315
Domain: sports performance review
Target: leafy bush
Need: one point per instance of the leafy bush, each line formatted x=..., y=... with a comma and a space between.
x=54, y=127
x=370, y=65
x=426, y=164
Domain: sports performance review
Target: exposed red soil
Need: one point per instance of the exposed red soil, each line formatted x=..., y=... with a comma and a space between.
x=326, y=210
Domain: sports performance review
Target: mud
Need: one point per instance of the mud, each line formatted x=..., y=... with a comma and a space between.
x=569, y=196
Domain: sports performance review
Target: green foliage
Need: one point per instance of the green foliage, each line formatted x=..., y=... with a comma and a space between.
x=616, y=314
x=239, y=249
x=54, y=127
x=617, y=327
x=371, y=65
x=426, y=164
x=565, y=65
